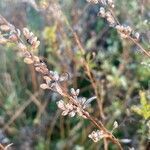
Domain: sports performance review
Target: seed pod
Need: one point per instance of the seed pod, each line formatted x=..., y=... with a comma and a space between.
x=77, y=92
x=28, y=60
x=102, y=12
x=13, y=37
x=3, y=40
x=18, y=32
x=36, y=59
x=44, y=86
x=26, y=33
x=137, y=36
x=36, y=44
x=38, y=69
x=5, y=28
x=32, y=40
x=73, y=92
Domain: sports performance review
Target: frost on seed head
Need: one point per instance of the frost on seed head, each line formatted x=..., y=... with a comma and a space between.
x=97, y=135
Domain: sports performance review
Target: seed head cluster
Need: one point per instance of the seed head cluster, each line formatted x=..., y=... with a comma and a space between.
x=125, y=31
x=97, y=135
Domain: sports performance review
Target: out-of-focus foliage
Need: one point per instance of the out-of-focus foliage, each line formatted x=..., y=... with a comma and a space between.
x=144, y=108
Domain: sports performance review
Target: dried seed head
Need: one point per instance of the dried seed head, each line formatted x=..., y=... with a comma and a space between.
x=44, y=86
x=58, y=88
x=94, y=136
x=5, y=28
x=124, y=31
x=119, y=28
x=36, y=59
x=13, y=37
x=64, y=77
x=115, y=125
x=47, y=79
x=67, y=109
x=82, y=101
x=26, y=33
x=38, y=69
x=31, y=39
x=61, y=104
x=97, y=135
x=75, y=92
x=22, y=46
x=110, y=18
x=136, y=36
x=27, y=54
x=102, y=12
x=18, y=32
x=36, y=44
x=28, y=60
x=128, y=30
x=72, y=113
x=55, y=76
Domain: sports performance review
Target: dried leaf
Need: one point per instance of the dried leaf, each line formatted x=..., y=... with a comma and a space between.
x=61, y=104
x=115, y=125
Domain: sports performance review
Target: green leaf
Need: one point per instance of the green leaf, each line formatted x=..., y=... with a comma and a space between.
x=136, y=110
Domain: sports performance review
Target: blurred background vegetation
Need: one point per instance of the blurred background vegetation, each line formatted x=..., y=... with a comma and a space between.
x=29, y=117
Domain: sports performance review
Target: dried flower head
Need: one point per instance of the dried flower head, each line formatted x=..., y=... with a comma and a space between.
x=110, y=18
x=44, y=86
x=74, y=92
x=67, y=109
x=115, y=125
x=3, y=40
x=136, y=36
x=102, y=12
x=124, y=31
x=107, y=15
x=97, y=135
x=81, y=104
x=5, y=28
x=28, y=60
x=31, y=38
